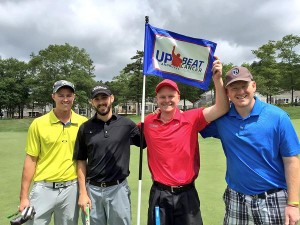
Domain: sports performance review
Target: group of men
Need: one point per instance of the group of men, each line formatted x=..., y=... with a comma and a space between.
x=75, y=162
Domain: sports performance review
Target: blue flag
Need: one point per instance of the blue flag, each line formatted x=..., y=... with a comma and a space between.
x=177, y=57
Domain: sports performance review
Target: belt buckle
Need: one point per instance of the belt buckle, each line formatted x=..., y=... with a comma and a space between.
x=174, y=188
x=58, y=185
x=254, y=196
x=103, y=185
x=263, y=195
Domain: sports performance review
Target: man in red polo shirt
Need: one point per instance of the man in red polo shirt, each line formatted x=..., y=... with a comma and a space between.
x=173, y=152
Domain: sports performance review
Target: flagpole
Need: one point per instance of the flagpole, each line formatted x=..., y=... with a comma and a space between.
x=141, y=148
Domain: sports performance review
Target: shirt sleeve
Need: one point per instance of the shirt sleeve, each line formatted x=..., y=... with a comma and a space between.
x=80, y=150
x=135, y=135
x=33, y=144
x=210, y=131
x=196, y=117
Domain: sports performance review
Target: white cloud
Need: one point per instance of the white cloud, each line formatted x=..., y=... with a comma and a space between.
x=112, y=30
x=234, y=53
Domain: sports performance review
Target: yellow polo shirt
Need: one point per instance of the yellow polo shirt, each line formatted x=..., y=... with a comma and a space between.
x=53, y=144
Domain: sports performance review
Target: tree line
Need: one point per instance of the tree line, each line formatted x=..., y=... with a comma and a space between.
x=29, y=84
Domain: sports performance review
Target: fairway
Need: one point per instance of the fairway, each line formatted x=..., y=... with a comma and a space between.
x=210, y=183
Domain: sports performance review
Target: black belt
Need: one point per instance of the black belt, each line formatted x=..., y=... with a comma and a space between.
x=106, y=184
x=57, y=185
x=265, y=194
x=174, y=189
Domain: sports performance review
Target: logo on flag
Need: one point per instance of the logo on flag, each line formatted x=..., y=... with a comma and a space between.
x=177, y=57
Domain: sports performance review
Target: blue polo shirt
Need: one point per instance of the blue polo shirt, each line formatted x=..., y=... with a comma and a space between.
x=254, y=147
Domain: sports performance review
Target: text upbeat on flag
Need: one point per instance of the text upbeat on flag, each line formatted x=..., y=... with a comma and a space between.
x=177, y=57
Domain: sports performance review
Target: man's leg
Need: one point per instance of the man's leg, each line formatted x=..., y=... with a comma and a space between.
x=236, y=210
x=117, y=204
x=97, y=213
x=187, y=208
x=171, y=211
x=270, y=210
x=66, y=209
x=43, y=199
x=162, y=199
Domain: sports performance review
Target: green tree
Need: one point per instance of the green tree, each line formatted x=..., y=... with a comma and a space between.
x=120, y=87
x=189, y=93
x=134, y=71
x=289, y=65
x=59, y=62
x=129, y=83
x=14, y=86
x=267, y=75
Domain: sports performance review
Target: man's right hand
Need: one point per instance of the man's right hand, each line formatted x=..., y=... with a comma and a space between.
x=83, y=201
x=23, y=204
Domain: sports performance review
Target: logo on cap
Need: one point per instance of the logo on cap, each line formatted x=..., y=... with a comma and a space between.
x=99, y=87
x=235, y=71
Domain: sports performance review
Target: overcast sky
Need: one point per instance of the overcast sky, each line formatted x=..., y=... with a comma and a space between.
x=111, y=31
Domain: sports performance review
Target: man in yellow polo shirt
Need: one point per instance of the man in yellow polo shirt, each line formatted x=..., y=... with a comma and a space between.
x=49, y=163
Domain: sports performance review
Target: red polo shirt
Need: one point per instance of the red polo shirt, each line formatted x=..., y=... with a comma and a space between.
x=173, y=149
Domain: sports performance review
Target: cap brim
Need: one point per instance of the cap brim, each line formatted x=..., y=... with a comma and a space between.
x=101, y=92
x=68, y=86
x=165, y=85
x=238, y=79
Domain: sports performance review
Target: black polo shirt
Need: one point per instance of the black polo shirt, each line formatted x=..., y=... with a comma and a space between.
x=106, y=147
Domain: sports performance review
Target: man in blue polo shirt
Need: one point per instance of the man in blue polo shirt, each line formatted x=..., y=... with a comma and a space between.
x=261, y=149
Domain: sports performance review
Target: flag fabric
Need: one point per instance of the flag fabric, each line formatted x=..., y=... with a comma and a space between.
x=177, y=57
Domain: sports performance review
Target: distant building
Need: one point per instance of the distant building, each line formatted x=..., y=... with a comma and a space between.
x=286, y=98
x=130, y=107
x=185, y=104
x=39, y=111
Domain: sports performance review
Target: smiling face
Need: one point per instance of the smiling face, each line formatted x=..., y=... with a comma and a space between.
x=63, y=99
x=167, y=99
x=241, y=93
x=103, y=104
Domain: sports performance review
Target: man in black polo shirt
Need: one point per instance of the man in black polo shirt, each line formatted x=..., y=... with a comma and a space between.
x=102, y=151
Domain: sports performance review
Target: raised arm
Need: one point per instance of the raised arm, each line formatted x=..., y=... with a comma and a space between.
x=222, y=103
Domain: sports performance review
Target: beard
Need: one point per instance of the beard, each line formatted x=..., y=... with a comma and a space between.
x=103, y=109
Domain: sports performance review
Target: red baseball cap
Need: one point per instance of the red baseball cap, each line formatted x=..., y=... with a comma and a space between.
x=169, y=83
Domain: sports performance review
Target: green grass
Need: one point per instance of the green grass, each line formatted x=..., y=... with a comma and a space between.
x=294, y=112
x=210, y=183
x=11, y=162
x=15, y=125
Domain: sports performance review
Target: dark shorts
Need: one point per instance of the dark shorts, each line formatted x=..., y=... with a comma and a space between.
x=180, y=208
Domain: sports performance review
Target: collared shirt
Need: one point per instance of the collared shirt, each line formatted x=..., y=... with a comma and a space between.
x=53, y=144
x=254, y=147
x=106, y=147
x=173, y=149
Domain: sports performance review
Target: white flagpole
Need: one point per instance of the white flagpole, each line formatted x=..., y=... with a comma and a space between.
x=141, y=155
x=141, y=148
